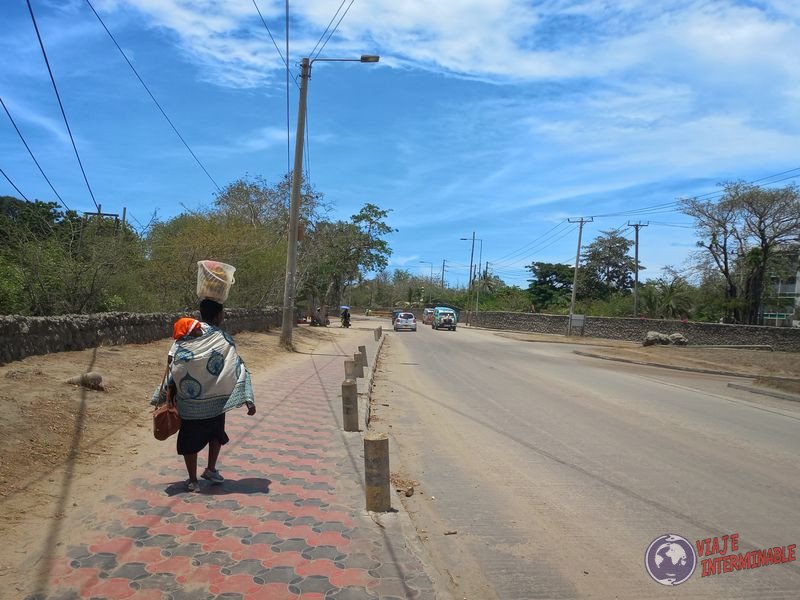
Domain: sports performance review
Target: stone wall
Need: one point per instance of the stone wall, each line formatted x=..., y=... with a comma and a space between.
x=780, y=338
x=22, y=336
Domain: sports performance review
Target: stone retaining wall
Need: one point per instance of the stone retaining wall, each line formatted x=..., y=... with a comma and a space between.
x=22, y=336
x=780, y=338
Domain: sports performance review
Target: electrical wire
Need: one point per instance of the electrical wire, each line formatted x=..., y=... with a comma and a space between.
x=307, y=148
x=669, y=224
x=514, y=253
x=719, y=193
x=667, y=207
x=269, y=32
x=61, y=105
x=327, y=28
x=28, y=148
x=152, y=97
x=538, y=248
x=24, y=197
x=330, y=35
x=288, y=131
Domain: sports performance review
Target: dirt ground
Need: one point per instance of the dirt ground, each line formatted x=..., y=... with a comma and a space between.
x=48, y=426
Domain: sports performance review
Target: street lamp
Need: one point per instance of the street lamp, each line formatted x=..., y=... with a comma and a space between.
x=478, y=281
x=430, y=285
x=294, y=212
x=480, y=258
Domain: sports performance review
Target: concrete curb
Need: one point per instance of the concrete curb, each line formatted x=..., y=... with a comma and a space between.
x=366, y=383
x=673, y=367
x=772, y=394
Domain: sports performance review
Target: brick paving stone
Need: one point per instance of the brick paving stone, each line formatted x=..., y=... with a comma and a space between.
x=287, y=523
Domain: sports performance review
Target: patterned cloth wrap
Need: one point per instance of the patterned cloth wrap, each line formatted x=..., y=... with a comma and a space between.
x=209, y=376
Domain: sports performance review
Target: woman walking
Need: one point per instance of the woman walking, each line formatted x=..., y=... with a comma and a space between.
x=207, y=378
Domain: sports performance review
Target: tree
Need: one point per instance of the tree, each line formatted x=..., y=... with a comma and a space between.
x=607, y=267
x=743, y=231
x=551, y=284
x=336, y=254
x=667, y=297
x=254, y=201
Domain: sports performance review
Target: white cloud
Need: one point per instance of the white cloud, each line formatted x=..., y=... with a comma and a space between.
x=712, y=48
x=405, y=261
x=22, y=114
x=258, y=140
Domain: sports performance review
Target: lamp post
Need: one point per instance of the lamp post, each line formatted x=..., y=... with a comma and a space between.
x=294, y=211
x=478, y=281
x=471, y=256
x=430, y=284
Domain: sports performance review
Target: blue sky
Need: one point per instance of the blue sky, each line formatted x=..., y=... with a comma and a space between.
x=503, y=117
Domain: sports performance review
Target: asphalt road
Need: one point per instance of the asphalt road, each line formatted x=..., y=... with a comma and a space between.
x=557, y=471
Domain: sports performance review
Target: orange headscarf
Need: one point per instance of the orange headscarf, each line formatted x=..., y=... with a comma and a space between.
x=185, y=326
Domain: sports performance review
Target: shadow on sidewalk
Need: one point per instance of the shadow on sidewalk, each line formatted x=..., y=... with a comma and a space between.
x=248, y=485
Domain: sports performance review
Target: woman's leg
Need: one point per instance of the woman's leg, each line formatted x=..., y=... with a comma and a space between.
x=191, y=465
x=213, y=453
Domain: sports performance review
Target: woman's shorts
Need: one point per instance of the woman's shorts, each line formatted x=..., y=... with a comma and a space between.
x=195, y=434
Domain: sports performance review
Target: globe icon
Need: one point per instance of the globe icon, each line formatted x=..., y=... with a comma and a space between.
x=670, y=559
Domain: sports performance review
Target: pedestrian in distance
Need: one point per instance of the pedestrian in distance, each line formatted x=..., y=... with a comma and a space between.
x=207, y=378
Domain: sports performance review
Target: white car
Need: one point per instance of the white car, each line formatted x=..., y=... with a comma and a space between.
x=405, y=321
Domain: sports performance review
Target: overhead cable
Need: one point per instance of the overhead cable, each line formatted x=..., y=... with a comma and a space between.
x=269, y=32
x=285, y=60
x=330, y=35
x=24, y=197
x=288, y=127
x=28, y=148
x=152, y=97
x=529, y=244
x=61, y=105
x=327, y=28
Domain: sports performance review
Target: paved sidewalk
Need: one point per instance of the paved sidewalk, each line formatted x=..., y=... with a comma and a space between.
x=288, y=523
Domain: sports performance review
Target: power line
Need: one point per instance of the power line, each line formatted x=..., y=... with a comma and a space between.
x=24, y=197
x=665, y=207
x=533, y=242
x=538, y=248
x=719, y=193
x=288, y=127
x=28, y=148
x=152, y=97
x=327, y=28
x=285, y=61
x=61, y=105
x=269, y=32
x=330, y=35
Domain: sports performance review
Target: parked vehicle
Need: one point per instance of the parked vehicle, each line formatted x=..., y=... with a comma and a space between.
x=396, y=312
x=427, y=316
x=444, y=318
x=405, y=321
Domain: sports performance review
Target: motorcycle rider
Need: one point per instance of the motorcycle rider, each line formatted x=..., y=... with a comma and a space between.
x=345, y=317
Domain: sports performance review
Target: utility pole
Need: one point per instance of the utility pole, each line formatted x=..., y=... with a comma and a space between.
x=297, y=179
x=471, y=257
x=294, y=212
x=575, y=275
x=444, y=262
x=636, y=227
x=478, y=280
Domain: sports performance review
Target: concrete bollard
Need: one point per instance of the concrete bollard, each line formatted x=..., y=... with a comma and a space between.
x=349, y=369
x=358, y=368
x=362, y=350
x=350, y=405
x=376, y=472
x=377, y=334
